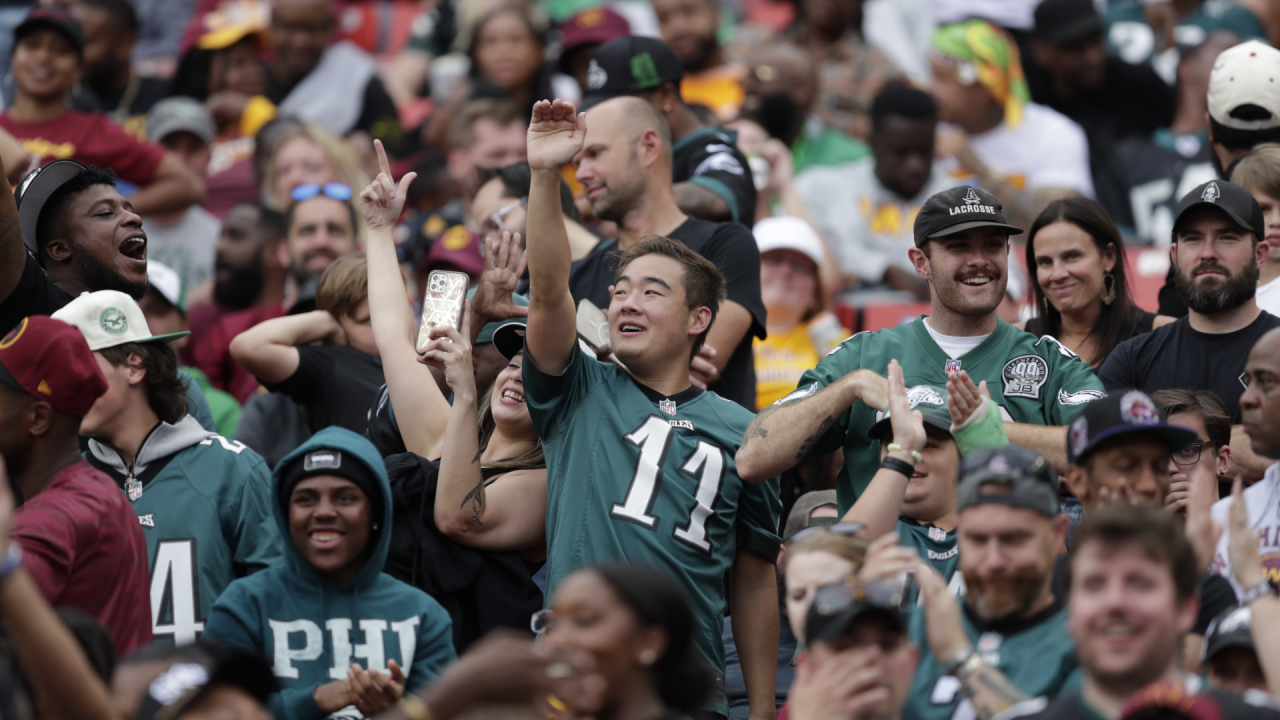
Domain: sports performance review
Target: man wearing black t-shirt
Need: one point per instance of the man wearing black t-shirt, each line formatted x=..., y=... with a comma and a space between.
x=1216, y=257
x=625, y=172
x=709, y=172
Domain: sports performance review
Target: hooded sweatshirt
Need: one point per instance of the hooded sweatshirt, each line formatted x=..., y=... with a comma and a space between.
x=310, y=629
x=202, y=502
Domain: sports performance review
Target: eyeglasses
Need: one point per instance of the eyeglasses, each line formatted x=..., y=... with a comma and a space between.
x=337, y=191
x=541, y=621
x=1189, y=455
x=831, y=599
x=496, y=220
x=845, y=529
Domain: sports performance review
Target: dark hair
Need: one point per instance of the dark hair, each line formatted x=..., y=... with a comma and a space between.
x=1152, y=529
x=272, y=221
x=683, y=678
x=703, y=282
x=166, y=393
x=1204, y=404
x=516, y=180
x=904, y=101
x=55, y=208
x=1241, y=140
x=121, y=12
x=1118, y=321
x=192, y=76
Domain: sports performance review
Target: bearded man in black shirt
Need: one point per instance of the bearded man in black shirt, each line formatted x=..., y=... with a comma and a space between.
x=625, y=171
x=1216, y=256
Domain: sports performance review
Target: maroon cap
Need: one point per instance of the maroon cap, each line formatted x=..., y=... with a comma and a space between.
x=596, y=25
x=50, y=360
x=54, y=17
x=456, y=249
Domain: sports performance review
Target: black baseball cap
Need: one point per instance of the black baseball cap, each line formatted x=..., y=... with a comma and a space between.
x=508, y=338
x=1120, y=413
x=628, y=65
x=1231, y=628
x=958, y=209
x=1063, y=21
x=1029, y=481
x=930, y=400
x=56, y=18
x=36, y=189
x=1228, y=197
x=836, y=606
x=182, y=685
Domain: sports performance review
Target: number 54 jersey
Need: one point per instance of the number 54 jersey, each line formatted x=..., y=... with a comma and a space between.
x=634, y=476
x=204, y=505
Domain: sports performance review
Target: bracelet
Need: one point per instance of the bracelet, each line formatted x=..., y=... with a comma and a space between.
x=968, y=667
x=413, y=707
x=898, y=466
x=12, y=561
x=1261, y=590
x=957, y=660
x=915, y=454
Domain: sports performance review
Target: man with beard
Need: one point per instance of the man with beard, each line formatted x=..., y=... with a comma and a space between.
x=710, y=78
x=1216, y=256
x=625, y=171
x=1007, y=641
x=962, y=250
x=1132, y=597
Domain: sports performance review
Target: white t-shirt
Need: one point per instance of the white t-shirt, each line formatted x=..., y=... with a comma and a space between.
x=187, y=246
x=1045, y=150
x=1268, y=296
x=954, y=347
x=1263, y=500
x=868, y=226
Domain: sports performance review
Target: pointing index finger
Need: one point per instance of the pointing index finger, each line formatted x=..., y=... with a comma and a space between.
x=383, y=165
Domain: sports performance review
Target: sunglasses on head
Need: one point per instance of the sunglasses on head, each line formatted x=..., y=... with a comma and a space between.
x=846, y=529
x=337, y=191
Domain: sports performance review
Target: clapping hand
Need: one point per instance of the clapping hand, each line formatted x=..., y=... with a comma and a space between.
x=907, y=424
x=556, y=134
x=965, y=397
x=374, y=692
x=382, y=201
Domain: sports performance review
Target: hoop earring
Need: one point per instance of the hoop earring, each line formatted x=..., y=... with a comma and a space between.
x=1108, y=295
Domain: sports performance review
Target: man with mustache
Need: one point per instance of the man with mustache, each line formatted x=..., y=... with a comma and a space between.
x=1007, y=640
x=1217, y=255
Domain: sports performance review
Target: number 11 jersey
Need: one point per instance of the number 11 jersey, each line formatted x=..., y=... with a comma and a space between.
x=635, y=476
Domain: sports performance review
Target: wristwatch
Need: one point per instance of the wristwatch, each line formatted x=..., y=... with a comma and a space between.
x=1260, y=590
x=960, y=660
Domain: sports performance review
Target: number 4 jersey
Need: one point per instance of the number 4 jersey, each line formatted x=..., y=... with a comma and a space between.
x=638, y=477
x=204, y=506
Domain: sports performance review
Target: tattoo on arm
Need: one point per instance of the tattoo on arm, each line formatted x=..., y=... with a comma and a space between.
x=991, y=692
x=810, y=442
x=756, y=428
x=701, y=202
x=476, y=498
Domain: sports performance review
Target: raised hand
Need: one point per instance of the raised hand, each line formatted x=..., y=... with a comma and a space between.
x=1242, y=544
x=556, y=134
x=907, y=424
x=504, y=262
x=382, y=201
x=965, y=397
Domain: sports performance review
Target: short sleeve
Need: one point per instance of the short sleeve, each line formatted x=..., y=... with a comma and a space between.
x=33, y=295
x=314, y=374
x=831, y=368
x=552, y=399
x=737, y=255
x=47, y=539
x=1074, y=383
x=722, y=169
x=1117, y=370
x=758, y=508
x=132, y=159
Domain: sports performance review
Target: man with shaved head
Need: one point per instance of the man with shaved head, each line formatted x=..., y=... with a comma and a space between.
x=625, y=171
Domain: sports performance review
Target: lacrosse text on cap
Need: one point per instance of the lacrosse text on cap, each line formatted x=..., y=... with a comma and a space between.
x=972, y=204
x=958, y=209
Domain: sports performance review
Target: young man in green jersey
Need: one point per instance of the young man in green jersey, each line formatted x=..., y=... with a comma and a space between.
x=202, y=500
x=1006, y=640
x=640, y=461
x=962, y=250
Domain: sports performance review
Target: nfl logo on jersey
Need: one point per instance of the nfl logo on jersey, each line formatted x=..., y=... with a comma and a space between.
x=937, y=534
x=952, y=367
x=667, y=406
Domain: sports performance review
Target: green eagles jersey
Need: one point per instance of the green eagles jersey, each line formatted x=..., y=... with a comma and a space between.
x=934, y=545
x=638, y=477
x=1035, y=654
x=206, y=513
x=1033, y=380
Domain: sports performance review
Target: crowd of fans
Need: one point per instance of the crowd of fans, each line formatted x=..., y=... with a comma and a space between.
x=801, y=359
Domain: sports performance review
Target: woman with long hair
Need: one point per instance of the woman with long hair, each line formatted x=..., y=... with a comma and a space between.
x=1081, y=291
x=306, y=153
x=492, y=476
x=636, y=624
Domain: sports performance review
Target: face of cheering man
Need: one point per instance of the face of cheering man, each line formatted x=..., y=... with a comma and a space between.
x=967, y=270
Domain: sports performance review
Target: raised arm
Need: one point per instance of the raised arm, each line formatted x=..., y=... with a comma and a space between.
x=785, y=433
x=556, y=136
x=421, y=409
x=268, y=350
x=879, y=506
x=175, y=187
x=1247, y=568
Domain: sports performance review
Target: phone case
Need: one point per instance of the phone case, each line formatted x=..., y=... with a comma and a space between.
x=442, y=303
x=593, y=325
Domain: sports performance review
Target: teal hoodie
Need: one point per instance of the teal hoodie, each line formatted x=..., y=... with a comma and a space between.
x=311, y=630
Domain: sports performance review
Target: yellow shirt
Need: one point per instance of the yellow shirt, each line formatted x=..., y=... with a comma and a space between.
x=780, y=361
x=719, y=88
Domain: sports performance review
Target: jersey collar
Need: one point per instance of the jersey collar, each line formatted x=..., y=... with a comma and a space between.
x=679, y=398
x=974, y=357
x=1014, y=625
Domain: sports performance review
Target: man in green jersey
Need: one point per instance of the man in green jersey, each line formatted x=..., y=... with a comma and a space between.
x=640, y=461
x=1006, y=641
x=962, y=250
x=203, y=501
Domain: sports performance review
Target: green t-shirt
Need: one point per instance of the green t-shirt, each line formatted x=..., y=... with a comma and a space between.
x=638, y=477
x=822, y=145
x=1033, y=380
x=1037, y=656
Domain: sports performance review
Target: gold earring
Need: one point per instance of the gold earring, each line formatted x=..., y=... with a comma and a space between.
x=649, y=657
x=666, y=108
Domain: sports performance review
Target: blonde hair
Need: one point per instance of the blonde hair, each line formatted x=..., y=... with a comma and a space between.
x=849, y=547
x=343, y=285
x=340, y=155
x=1259, y=171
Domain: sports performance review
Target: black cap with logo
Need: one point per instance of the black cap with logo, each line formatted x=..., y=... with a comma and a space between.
x=1024, y=478
x=628, y=65
x=1231, y=628
x=958, y=209
x=1121, y=412
x=1230, y=198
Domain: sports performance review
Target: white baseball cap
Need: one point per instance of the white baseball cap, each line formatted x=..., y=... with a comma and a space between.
x=1246, y=74
x=167, y=282
x=108, y=318
x=788, y=233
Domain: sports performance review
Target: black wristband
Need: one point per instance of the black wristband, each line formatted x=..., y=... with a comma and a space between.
x=899, y=466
